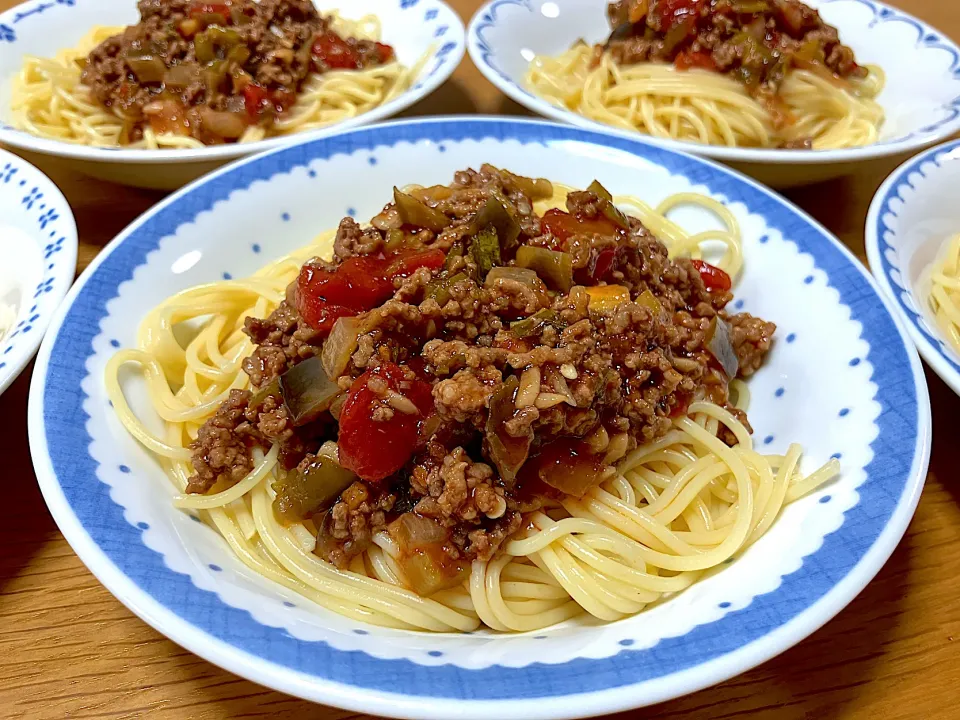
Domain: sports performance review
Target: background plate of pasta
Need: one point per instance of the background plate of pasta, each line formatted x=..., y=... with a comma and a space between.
x=155, y=94
x=512, y=419
x=790, y=92
x=38, y=260
x=912, y=247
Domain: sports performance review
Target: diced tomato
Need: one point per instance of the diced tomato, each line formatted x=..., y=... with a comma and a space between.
x=694, y=59
x=599, y=266
x=201, y=8
x=320, y=314
x=563, y=225
x=323, y=295
x=713, y=277
x=384, y=53
x=335, y=52
x=375, y=449
x=282, y=99
x=357, y=284
x=404, y=264
x=674, y=12
x=256, y=99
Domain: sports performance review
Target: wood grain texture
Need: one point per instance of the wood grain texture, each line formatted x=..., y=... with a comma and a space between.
x=69, y=649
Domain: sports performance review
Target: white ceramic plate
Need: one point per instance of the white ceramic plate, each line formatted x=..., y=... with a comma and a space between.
x=843, y=380
x=38, y=259
x=921, y=98
x=415, y=28
x=913, y=214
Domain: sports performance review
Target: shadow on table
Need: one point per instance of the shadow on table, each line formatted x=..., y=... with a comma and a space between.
x=451, y=98
x=507, y=106
x=945, y=405
x=25, y=523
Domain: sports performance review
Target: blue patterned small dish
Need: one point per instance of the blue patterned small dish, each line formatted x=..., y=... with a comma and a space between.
x=421, y=31
x=38, y=259
x=843, y=381
x=921, y=97
x=913, y=215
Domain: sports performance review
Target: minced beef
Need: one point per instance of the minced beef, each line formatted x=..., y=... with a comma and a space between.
x=282, y=340
x=450, y=362
x=220, y=453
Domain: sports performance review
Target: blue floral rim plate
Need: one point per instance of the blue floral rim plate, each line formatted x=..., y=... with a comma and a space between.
x=34, y=207
x=842, y=380
x=913, y=214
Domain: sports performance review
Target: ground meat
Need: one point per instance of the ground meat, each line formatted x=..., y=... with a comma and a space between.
x=282, y=340
x=483, y=543
x=463, y=495
x=349, y=526
x=220, y=454
x=466, y=396
x=752, y=339
x=568, y=372
x=212, y=75
x=351, y=240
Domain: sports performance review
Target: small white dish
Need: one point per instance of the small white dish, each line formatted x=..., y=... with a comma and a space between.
x=416, y=29
x=921, y=98
x=843, y=380
x=914, y=213
x=38, y=259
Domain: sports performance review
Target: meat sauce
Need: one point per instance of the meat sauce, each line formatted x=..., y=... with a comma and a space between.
x=754, y=41
x=464, y=388
x=213, y=70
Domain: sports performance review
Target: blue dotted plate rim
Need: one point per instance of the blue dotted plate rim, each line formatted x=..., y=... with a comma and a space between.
x=926, y=335
x=482, y=53
x=38, y=198
x=197, y=619
x=447, y=51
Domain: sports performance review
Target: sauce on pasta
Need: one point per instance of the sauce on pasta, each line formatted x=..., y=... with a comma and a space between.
x=503, y=402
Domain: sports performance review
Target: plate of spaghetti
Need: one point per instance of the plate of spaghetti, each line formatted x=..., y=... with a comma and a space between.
x=914, y=252
x=753, y=82
x=154, y=93
x=512, y=419
x=38, y=248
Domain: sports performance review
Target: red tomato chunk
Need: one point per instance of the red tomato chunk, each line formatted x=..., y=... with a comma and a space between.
x=335, y=52
x=375, y=448
x=357, y=284
x=713, y=277
x=384, y=52
x=700, y=59
x=563, y=225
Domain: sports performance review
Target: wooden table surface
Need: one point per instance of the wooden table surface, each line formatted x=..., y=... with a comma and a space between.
x=69, y=649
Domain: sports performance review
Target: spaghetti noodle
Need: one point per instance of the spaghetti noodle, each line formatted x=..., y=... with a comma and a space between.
x=672, y=510
x=49, y=100
x=705, y=107
x=944, y=291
